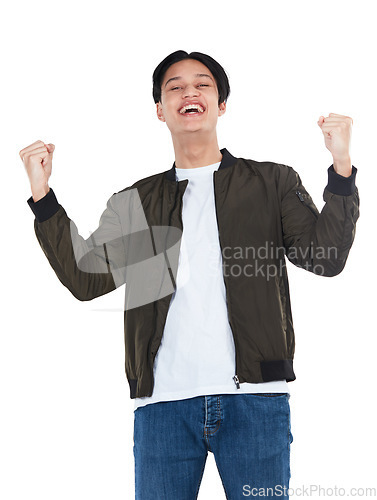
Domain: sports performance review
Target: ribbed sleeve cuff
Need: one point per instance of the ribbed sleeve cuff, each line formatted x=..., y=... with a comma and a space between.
x=338, y=184
x=44, y=208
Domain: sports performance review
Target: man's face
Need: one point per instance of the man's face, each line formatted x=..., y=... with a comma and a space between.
x=185, y=83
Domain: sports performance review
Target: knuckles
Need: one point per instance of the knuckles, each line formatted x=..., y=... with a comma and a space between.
x=38, y=143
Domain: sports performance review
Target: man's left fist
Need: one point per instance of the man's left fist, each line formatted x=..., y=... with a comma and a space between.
x=337, y=130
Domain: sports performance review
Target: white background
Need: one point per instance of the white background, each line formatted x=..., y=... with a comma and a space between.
x=79, y=75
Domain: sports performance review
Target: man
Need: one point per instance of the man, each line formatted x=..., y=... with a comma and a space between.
x=209, y=359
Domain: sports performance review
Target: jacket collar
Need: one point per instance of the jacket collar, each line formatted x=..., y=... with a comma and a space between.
x=226, y=161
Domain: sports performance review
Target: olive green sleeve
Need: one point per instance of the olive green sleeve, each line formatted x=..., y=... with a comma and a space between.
x=88, y=268
x=319, y=242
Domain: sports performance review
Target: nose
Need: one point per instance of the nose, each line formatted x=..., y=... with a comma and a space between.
x=190, y=90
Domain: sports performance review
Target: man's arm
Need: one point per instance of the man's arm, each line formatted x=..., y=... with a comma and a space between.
x=88, y=268
x=319, y=242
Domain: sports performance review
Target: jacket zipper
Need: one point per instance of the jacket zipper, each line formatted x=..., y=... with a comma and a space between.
x=180, y=212
x=302, y=199
x=154, y=353
x=235, y=378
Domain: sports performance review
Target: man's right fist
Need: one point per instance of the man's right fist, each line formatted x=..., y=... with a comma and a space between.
x=37, y=159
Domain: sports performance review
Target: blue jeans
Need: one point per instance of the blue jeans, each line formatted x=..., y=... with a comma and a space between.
x=249, y=435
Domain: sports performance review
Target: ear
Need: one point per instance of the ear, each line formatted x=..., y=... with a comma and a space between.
x=222, y=108
x=160, y=114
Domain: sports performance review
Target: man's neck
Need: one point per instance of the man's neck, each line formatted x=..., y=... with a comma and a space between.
x=196, y=154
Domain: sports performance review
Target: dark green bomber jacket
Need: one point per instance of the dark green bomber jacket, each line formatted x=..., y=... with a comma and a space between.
x=264, y=216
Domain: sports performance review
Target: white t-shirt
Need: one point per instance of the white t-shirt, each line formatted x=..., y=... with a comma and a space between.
x=197, y=354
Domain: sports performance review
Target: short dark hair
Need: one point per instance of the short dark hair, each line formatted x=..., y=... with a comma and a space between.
x=215, y=68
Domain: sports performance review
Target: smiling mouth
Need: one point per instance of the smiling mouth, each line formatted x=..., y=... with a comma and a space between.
x=191, y=110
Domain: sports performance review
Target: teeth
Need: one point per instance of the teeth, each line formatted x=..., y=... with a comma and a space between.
x=190, y=106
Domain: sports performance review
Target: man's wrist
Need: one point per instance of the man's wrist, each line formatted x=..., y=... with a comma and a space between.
x=339, y=184
x=39, y=192
x=45, y=207
x=343, y=166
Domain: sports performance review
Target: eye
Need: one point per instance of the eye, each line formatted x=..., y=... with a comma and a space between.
x=200, y=85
